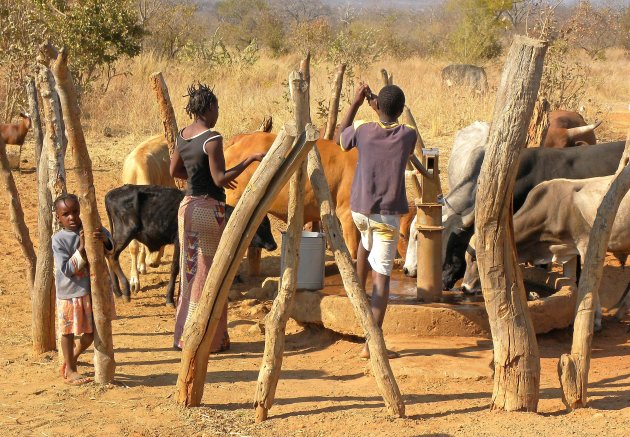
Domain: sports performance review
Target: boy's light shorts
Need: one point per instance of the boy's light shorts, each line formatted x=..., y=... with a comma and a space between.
x=379, y=236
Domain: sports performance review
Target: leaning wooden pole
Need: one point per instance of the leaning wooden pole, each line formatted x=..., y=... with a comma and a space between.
x=279, y=164
x=276, y=320
x=516, y=357
x=104, y=363
x=16, y=215
x=573, y=368
x=167, y=114
x=333, y=105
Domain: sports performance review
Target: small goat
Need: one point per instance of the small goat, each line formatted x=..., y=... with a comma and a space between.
x=16, y=132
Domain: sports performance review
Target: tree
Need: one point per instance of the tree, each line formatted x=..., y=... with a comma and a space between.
x=625, y=29
x=96, y=32
x=245, y=21
x=592, y=29
x=477, y=29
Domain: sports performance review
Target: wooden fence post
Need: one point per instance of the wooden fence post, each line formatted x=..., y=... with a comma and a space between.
x=573, y=368
x=102, y=301
x=539, y=124
x=386, y=78
x=276, y=320
x=167, y=114
x=36, y=121
x=516, y=357
x=333, y=105
x=16, y=215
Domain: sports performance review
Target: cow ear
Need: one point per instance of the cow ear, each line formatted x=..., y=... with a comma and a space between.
x=468, y=219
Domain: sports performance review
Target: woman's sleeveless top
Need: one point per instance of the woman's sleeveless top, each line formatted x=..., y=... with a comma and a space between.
x=193, y=153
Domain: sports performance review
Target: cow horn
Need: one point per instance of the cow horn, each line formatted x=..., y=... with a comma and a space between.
x=468, y=219
x=575, y=131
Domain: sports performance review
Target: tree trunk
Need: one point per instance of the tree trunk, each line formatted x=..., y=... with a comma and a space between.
x=333, y=106
x=573, y=368
x=516, y=358
x=539, y=124
x=43, y=303
x=33, y=104
x=271, y=175
x=167, y=114
x=104, y=364
x=16, y=215
x=276, y=321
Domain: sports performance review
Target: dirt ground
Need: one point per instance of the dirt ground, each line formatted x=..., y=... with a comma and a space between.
x=325, y=389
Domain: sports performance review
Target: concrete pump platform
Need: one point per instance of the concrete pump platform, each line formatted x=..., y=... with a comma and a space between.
x=455, y=317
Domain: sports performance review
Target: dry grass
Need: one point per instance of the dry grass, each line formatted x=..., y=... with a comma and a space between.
x=129, y=111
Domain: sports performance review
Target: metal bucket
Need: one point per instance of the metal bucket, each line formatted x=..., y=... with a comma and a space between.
x=312, y=257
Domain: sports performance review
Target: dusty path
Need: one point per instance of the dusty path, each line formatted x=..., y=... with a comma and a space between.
x=324, y=388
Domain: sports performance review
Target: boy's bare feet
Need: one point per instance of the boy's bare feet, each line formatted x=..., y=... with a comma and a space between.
x=365, y=353
x=75, y=378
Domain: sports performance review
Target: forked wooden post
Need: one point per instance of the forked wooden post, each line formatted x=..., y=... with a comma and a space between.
x=386, y=78
x=333, y=105
x=167, y=114
x=104, y=364
x=277, y=318
x=279, y=164
x=573, y=368
x=43, y=303
x=516, y=357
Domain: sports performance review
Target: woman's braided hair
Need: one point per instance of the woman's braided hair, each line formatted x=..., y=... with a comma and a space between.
x=200, y=99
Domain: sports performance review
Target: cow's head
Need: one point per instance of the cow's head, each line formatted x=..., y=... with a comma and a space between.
x=263, y=237
x=458, y=229
x=405, y=231
x=471, y=282
x=411, y=257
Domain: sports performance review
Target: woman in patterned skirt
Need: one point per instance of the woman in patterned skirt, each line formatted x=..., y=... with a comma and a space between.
x=198, y=158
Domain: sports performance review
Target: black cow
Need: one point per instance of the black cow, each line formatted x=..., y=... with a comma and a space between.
x=148, y=213
x=536, y=165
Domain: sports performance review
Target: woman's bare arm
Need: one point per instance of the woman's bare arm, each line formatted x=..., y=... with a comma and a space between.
x=216, y=160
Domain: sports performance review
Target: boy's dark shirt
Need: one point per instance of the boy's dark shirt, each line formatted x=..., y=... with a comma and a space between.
x=379, y=179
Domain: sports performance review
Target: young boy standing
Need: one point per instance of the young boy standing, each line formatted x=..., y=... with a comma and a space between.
x=378, y=198
x=72, y=282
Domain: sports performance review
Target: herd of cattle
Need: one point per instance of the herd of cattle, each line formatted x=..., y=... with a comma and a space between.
x=557, y=190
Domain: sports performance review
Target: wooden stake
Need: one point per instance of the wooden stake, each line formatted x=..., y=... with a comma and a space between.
x=573, y=368
x=333, y=105
x=271, y=175
x=104, y=364
x=16, y=215
x=167, y=114
x=276, y=320
x=516, y=358
x=387, y=78
x=539, y=124
x=36, y=121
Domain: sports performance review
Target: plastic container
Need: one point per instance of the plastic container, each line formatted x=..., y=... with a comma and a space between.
x=312, y=257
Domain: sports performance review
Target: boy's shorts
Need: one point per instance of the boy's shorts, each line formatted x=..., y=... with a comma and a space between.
x=74, y=316
x=379, y=236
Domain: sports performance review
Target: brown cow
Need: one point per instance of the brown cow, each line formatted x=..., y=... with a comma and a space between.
x=16, y=132
x=568, y=129
x=339, y=169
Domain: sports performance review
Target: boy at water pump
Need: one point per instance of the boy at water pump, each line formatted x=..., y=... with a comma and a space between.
x=378, y=197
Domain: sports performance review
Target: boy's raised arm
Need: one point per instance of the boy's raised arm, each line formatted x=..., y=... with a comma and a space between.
x=359, y=98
